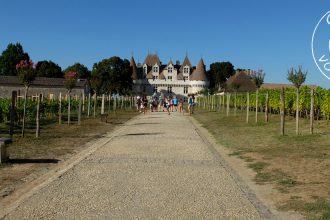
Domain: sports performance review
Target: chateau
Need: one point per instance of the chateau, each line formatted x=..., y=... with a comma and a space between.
x=171, y=79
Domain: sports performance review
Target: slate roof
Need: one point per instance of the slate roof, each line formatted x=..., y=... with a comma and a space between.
x=39, y=81
x=152, y=59
x=186, y=62
x=196, y=73
x=199, y=74
x=134, y=69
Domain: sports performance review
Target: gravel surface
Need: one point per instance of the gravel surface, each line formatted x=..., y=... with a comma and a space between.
x=158, y=167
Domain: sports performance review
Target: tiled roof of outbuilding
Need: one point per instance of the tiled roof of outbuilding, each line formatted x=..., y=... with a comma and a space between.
x=240, y=82
x=39, y=81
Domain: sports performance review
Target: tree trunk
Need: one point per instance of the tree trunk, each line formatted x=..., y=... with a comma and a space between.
x=69, y=107
x=247, y=106
x=228, y=100
x=109, y=107
x=12, y=113
x=297, y=111
x=257, y=96
x=102, y=104
x=88, y=104
x=60, y=109
x=79, y=109
x=266, y=107
x=24, y=109
x=95, y=100
x=38, y=117
x=282, y=111
x=312, y=113
x=235, y=104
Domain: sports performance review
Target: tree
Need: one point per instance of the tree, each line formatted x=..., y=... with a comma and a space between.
x=258, y=78
x=297, y=77
x=219, y=73
x=111, y=75
x=26, y=73
x=70, y=83
x=10, y=57
x=48, y=69
x=82, y=71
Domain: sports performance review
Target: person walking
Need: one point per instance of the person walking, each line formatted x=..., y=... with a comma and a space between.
x=175, y=103
x=138, y=103
x=190, y=104
x=181, y=101
x=145, y=104
x=168, y=104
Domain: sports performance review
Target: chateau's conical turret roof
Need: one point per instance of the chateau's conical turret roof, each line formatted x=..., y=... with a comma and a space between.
x=186, y=62
x=152, y=59
x=199, y=74
x=134, y=69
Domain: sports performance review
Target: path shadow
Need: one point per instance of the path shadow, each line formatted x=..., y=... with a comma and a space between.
x=146, y=123
x=23, y=161
x=141, y=134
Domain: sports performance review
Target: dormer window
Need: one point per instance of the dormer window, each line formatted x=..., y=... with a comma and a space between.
x=155, y=69
x=186, y=70
x=170, y=69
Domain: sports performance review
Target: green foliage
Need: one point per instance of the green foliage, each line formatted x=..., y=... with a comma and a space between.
x=297, y=77
x=111, y=75
x=325, y=103
x=321, y=100
x=26, y=72
x=80, y=69
x=258, y=78
x=219, y=73
x=10, y=57
x=48, y=69
x=70, y=80
x=1, y=114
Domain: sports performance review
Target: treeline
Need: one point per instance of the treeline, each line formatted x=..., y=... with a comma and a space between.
x=107, y=76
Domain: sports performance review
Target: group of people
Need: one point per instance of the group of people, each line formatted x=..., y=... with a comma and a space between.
x=167, y=103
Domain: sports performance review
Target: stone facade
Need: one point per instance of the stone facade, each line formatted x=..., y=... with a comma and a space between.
x=170, y=79
x=48, y=87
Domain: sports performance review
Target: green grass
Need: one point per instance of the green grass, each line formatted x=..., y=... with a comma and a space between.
x=319, y=209
x=264, y=139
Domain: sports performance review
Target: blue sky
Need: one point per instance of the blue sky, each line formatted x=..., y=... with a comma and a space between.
x=271, y=35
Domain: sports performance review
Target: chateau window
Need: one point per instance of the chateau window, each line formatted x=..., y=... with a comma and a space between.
x=155, y=77
x=155, y=88
x=185, y=90
x=186, y=70
x=185, y=78
x=155, y=69
x=169, y=89
x=169, y=77
x=170, y=69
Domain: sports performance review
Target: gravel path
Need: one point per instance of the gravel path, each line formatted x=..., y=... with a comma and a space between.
x=158, y=167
